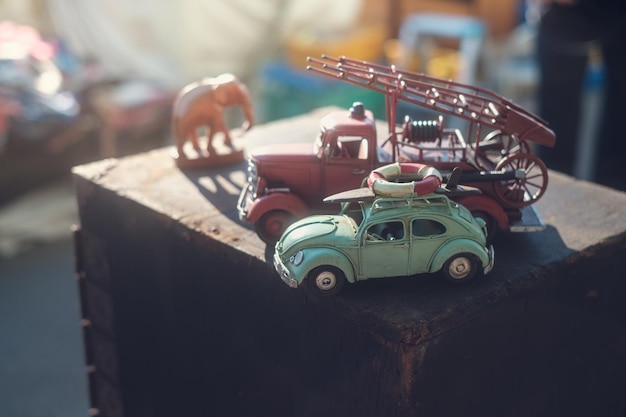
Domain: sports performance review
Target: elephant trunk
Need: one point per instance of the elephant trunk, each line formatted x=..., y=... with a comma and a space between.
x=248, y=113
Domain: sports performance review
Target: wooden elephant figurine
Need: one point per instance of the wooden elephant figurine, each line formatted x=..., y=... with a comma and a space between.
x=202, y=104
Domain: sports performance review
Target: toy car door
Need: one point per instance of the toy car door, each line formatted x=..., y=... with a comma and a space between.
x=385, y=250
x=427, y=235
x=346, y=163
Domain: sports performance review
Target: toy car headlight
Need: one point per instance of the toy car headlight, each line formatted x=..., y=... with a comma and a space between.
x=297, y=258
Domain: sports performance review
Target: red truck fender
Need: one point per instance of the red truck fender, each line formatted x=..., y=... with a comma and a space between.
x=277, y=201
x=482, y=203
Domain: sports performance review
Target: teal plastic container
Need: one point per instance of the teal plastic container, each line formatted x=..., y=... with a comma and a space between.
x=284, y=91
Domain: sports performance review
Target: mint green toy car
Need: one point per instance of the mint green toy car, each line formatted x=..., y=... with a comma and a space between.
x=385, y=237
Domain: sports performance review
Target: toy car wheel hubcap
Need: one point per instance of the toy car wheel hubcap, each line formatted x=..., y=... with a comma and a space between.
x=460, y=268
x=326, y=280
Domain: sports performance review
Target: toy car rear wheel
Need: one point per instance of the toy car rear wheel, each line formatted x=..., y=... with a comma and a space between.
x=326, y=280
x=272, y=224
x=461, y=267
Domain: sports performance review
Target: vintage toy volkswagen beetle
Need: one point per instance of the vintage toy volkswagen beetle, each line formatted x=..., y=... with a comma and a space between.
x=410, y=229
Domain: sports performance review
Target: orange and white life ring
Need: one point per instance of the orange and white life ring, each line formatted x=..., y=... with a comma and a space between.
x=426, y=179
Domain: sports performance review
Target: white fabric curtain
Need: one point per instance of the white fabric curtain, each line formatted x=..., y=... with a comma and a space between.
x=123, y=36
x=175, y=42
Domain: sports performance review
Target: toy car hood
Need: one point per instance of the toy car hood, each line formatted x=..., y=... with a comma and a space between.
x=312, y=228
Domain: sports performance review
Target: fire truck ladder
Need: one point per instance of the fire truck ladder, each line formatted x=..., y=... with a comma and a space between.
x=509, y=127
x=478, y=105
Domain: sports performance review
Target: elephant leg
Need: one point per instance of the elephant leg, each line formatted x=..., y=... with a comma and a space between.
x=180, y=145
x=194, y=141
x=221, y=127
x=227, y=140
x=179, y=148
x=209, y=145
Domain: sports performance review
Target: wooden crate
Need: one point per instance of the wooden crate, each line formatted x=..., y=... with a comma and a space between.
x=184, y=314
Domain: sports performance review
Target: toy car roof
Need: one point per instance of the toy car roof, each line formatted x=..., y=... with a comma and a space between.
x=366, y=194
x=379, y=203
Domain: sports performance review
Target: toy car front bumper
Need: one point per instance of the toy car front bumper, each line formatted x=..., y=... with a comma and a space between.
x=489, y=266
x=283, y=272
x=243, y=203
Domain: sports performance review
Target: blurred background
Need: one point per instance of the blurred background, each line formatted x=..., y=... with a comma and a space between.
x=86, y=80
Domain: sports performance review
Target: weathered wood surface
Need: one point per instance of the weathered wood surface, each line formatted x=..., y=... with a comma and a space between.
x=198, y=318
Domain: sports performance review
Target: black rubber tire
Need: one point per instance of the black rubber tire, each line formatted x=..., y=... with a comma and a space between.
x=326, y=281
x=272, y=224
x=460, y=268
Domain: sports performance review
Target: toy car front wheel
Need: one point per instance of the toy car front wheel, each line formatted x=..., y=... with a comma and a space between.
x=326, y=280
x=460, y=268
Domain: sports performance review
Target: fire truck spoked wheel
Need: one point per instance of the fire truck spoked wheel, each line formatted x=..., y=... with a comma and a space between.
x=529, y=184
x=497, y=145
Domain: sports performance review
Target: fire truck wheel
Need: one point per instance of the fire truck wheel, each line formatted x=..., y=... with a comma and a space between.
x=497, y=145
x=529, y=184
x=272, y=224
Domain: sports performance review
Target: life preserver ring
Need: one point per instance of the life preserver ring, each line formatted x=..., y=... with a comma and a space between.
x=426, y=180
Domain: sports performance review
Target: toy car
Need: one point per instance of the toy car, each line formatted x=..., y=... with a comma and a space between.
x=386, y=236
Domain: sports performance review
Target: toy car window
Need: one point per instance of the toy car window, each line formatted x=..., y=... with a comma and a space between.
x=349, y=147
x=427, y=227
x=392, y=230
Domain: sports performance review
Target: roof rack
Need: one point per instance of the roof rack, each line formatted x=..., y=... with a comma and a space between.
x=414, y=201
